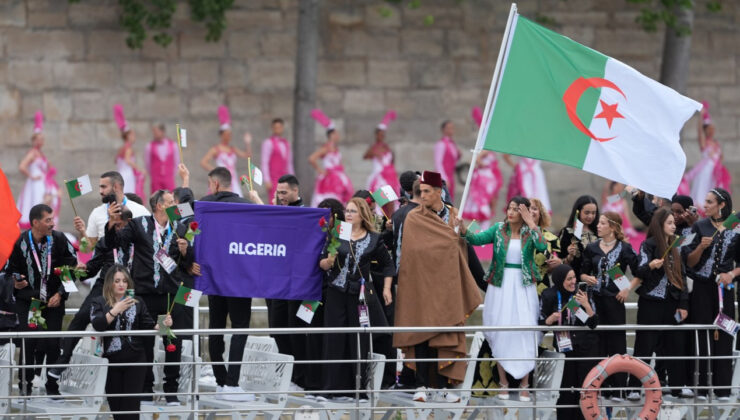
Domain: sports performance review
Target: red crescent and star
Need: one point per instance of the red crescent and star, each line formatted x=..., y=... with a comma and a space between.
x=608, y=112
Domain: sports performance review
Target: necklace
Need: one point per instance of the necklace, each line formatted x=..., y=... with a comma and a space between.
x=610, y=243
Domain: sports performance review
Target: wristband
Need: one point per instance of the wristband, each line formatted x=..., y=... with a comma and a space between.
x=111, y=314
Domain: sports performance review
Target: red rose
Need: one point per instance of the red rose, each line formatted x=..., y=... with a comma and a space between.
x=170, y=348
x=193, y=226
x=57, y=271
x=322, y=222
x=32, y=325
x=369, y=200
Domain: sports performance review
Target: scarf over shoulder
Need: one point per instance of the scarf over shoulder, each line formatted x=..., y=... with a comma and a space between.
x=435, y=288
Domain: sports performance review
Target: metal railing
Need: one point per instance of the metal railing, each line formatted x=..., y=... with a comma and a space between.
x=376, y=396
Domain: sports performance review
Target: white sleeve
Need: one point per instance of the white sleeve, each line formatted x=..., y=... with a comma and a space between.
x=439, y=154
x=93, y=230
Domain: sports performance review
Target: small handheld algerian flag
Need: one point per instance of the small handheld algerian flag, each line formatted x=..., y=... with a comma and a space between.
x=384, y=195
x=578, y=229
x=307, y=310
x=179, y=211
x=615, y=272
x=732, y=222
x=183, y=138
x=572, y=304
x=342, y=230
x=187, y=296
x=474, y=227
x=79, y=186
x=686, y=239
x=256, y=174
x=593, y=112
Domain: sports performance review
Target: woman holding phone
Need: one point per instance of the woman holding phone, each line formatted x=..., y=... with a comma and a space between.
x=118, y=310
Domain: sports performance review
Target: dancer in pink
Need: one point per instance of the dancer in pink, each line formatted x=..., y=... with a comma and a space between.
x=709, y=172
x=133, y=175
x=384, y=170
x=332, y=181
x=528, y=180
x=277, y=158
x=161, y=159
x=41, y=185
x=612, y=201
x=224, y=154
x=446, y=155
x=485, y=185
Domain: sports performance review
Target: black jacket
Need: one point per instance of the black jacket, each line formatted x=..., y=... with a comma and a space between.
x=104, y=257
x=135, y=318
x=149, y=277
x=580, y=339
x=596, y=263
x=225, y=196
x=655, y=284
x=720, y=257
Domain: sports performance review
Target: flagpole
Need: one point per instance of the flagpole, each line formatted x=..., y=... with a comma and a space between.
x=484, y=124
x=251, y=172
x=179, y=142
x=70, y=199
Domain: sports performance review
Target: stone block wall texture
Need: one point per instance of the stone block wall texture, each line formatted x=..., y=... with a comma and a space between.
x=71, y=61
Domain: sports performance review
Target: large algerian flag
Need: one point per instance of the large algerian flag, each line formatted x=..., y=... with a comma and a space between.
x=560, y=101
x=79, y=186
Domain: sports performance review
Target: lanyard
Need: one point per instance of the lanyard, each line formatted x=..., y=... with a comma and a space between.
x=560, y=309
x=159, y=234
x=47, y=255
x=130, y=256
x=721, y=293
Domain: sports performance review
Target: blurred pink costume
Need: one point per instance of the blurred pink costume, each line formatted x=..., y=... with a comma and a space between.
x=334, y=183
x=446, y=156
x=277, y=160
x=384, y=170
x=133, y=180
x=42, y=190
x=485, y=185
x=228, y=160
x=161, y=162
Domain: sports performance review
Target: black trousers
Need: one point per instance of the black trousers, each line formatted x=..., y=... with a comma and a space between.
x=341, y=311
x=703, y=309
x=35, y=350
x=612, y=312
x=662, y=343
x=239, y=310
x=314, y=372
x=574, y=373
x=428, y=371
x=79, y=323
x=281, y=314
x=157, y=305
x=125, y=380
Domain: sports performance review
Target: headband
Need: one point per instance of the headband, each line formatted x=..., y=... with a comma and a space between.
x=718, y=194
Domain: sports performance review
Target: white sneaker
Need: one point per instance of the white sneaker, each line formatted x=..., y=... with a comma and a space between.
x=616, y=399
x=236, y=393
x=421, y=394
x=37, y=382
x=633, y=396
x=723, y=399
x=686, y=393
x=701, y=397
x=147, y=402
x=295, y=387
x=321, y=398
x=450, y=397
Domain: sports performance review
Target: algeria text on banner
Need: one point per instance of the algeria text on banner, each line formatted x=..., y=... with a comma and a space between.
x=566, y=103
x=249, y=250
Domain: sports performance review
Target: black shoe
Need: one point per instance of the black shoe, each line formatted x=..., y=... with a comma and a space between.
x=55, y=372
x=172, y=400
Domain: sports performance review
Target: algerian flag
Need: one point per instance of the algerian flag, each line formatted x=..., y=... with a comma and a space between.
x=79, y=186
x=572, y=303
x=187, y=296
x=474, y=227
x=563, y=102
x=615, y=272
x=178, y=211
x=578, y=229
x=687, y=239
x=384, y=195
x=342, y=230
x=307, y=310
x=732, y=222
x=183, y=138
x=255, y=173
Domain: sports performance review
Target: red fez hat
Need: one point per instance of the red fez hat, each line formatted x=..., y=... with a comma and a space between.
x=431, y=178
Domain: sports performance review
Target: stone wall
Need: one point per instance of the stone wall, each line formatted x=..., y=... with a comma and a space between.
x=70, y=60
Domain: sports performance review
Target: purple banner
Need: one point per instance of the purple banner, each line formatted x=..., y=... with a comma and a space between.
x=248, y=250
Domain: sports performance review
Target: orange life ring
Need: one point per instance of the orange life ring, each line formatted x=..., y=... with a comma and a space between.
x=618, y=364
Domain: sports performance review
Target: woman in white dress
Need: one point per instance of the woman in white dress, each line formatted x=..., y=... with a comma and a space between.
x=511, y=297
x=224, y=154
x=133, y=174
x=41, y=186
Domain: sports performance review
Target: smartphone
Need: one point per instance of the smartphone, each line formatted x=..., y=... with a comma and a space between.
x=130, y=293
x=582, y=286
x=677, y=316
x=692, y=209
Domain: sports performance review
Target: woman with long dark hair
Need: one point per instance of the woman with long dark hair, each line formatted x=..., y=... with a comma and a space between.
x=585, y=210
x=348, y=271
x=664, y=300
x=583, y=343
x=599, y=258
x=115, y=310
x=711, y=262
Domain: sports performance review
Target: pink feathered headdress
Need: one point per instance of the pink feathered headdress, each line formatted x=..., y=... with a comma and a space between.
x=477, y=115
x=224, y=119
x=705, y=117
x=38, y=122
x=120, y=118
x=389, y=117
x=322, y=119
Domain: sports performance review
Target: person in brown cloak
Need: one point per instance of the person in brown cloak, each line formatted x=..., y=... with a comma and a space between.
x=435, y=289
